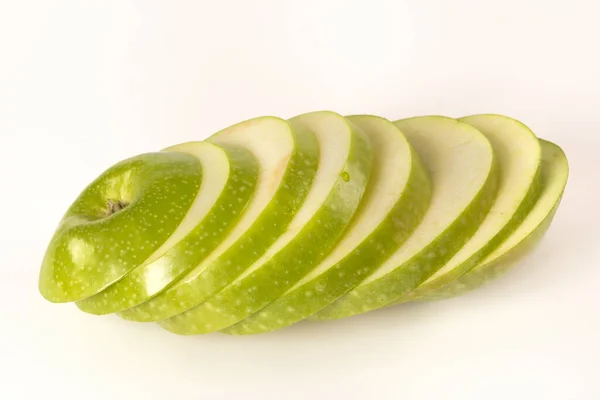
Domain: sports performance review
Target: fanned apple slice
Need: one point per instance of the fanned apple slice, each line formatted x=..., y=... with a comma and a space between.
x=519, y=158
x=226, y=188
x=463, y=174
x=118, y=221
x=288, y=160
x=555, y=172
x=395, y=200
x=338, y=187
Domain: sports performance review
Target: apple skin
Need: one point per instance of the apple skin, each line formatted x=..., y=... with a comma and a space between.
x=134, y=207
x=485, y=273
x=305, y=251
x=484, y=123
x=148, y=280
x=271, y=223
x=403, y=278
x=92, y=249
x=555, y=173
x=402, y=281
x=370, y=253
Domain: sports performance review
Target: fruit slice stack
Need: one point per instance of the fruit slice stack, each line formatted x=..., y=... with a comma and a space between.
x=270, y=222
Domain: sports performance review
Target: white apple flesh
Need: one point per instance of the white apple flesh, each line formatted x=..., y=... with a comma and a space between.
x=555, y=172
x=463, y=172
x=344, y=169
x=519, y=158
x=395, y=200
x=270, y=222
x=288, y=160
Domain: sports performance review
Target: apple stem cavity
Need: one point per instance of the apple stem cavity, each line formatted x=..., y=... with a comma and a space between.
x=114, y=206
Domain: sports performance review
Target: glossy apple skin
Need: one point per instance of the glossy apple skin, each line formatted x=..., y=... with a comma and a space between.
x=271, y=223
x=401, y=280
x=525, y=205
x=555, y=172
x=391, y=232
x=148, y=280
x=294, y=261
x=485, y=273
x=91, y=249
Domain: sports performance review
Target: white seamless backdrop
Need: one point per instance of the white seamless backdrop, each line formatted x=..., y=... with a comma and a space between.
x=86, y=83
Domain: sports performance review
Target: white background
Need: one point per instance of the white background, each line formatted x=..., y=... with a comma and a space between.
x=84, y=84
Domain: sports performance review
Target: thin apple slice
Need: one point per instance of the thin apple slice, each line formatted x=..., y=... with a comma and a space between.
x=395, y=200
x=226, y=188
x=117, y=222
x=519, y=158
x=555, y=172
x=288, y=160
x=463, y=172
x=343, y=173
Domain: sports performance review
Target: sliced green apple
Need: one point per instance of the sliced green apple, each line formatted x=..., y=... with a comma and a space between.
x=119, y=220
x=395, y=200
x=225, y=190
x=463, y=172
x=343, y=173
x=555, y=171
x=519, y=158
x=288, y=160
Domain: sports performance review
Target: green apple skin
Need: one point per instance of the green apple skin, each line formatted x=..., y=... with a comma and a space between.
x=402, y=281
x=271, y=223
x=308, y=248
x=485, y=273
x=374, y=248
x=527, y=237
x=524, y=207
x=404, y=278
x=148, y=280
x=92, y=249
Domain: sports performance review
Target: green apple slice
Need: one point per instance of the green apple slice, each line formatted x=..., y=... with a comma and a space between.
x=519, y=158
x=118, y=221
x=343, y=173
x=226, y=188
x=395, y=200
x=555, y=171
x=463, y=172
x=288, y=160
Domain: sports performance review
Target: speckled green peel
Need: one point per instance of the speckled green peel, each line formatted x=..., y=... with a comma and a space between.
x=226, y=188
x=329, y=206
x=519, y=158
x=396, y=198
x=288, y=160
x=270, y=222
x=464, y=181
x=555, y=172
x=91, y=249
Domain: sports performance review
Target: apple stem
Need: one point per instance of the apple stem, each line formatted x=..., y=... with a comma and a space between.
x=113, y=206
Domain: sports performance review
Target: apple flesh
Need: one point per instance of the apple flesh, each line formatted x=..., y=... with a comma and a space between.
x=519, y=158
x=269, y=222
x=288, y=159
x=395, y=200
x=344, y=170
x=464, y=177
x=555, y=172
